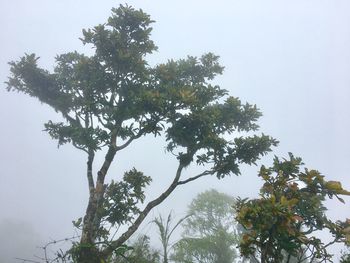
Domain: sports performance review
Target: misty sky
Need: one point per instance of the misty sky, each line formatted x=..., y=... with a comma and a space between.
x=291, y=58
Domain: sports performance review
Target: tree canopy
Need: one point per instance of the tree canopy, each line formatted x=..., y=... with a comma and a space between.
x=210, y=232
x=113, y=97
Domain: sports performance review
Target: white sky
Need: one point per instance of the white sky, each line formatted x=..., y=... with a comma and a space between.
x=291, y=58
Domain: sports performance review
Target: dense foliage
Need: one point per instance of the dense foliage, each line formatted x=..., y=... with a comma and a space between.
x=282, y=223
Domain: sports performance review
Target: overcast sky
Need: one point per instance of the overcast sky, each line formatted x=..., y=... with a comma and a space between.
x=291, y=58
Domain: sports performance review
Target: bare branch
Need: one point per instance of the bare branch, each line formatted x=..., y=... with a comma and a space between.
x=28, y=260
x=195, y=177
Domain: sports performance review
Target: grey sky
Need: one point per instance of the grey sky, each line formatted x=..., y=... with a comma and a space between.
x=291, y=58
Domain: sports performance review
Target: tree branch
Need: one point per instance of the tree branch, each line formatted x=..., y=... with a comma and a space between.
x=195, y=177
x=71, y=120
x=91, y=184
x=101, y=121
x=79, y=147
x=92, y=219
x=108, y=158
x=28, y=260
x=126, y=144
x=131, y=230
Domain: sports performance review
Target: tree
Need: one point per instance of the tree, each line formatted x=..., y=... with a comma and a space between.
x=210, y=234
x=165, y=232
x=281, y=225
x=112, y=98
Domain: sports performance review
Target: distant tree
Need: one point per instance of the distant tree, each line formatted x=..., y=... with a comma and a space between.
x=112, y=98
x=281, y=225
x=209, y=234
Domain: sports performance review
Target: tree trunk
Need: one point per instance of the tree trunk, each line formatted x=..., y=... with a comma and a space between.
x=88, y=252
x=165, y=258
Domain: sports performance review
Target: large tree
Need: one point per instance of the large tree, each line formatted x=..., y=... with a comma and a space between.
x=210, y=232
x=113, y=97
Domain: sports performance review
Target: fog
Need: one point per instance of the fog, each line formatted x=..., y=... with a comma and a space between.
x=291, y=58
